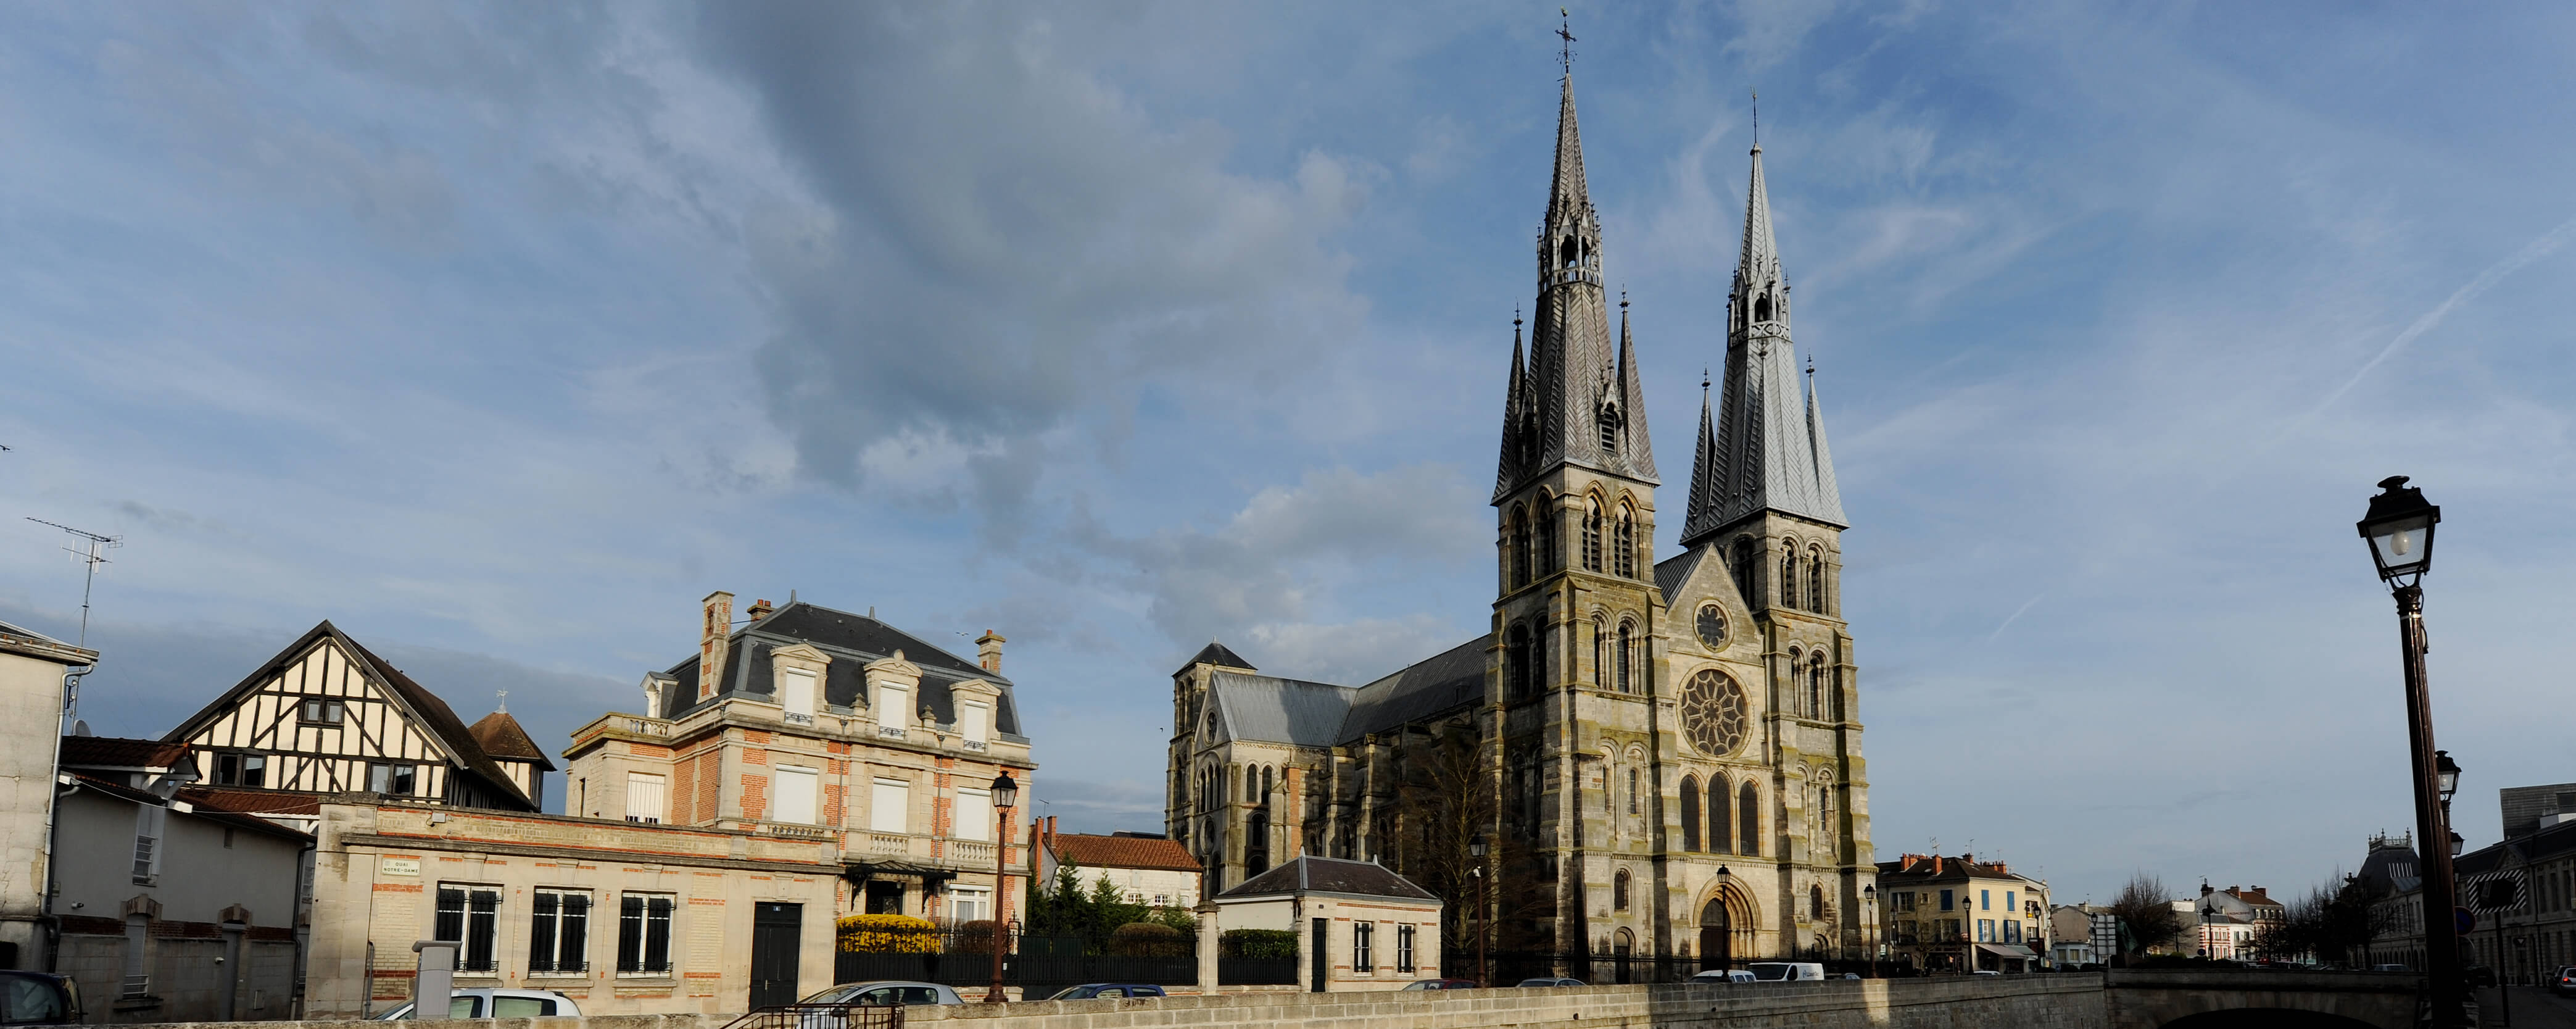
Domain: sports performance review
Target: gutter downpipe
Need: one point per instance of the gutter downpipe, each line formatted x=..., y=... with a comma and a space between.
x=52, y=934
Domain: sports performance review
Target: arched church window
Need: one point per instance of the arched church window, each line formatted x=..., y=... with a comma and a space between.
x=1762, y=308
x=1627, y=542
x=1816, y=580
x=1721, y=826
x=1609, y=422
x=1744, y=551
x=1627, y=648
x=1544, y=516
x=1789, y=580
x=1569, y=253
x=1815, y=903
x=1520, y=546
x=1690, y=813
x=1266, y=771
x=1591, y=535
x=1816, y=686
x=1748, y=821
x=1516, y=660
x=1619, y=891
x=1829, y=830
x=1634, y=805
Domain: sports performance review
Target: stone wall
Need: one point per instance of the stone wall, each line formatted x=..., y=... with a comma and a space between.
x=2025, y=1002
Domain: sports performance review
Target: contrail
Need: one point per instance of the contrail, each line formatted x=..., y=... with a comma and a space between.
x=2547, y=244
x=2008, y=619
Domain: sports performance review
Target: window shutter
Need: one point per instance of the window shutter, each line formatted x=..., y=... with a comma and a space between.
x=645, y=796
x=791, y=796
x=894, y=707
x=975, y=722
x=974, y=819
x=796, y=691
x=889, y=806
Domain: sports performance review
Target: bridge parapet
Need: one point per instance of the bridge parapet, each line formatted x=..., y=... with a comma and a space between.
x=2218, y=998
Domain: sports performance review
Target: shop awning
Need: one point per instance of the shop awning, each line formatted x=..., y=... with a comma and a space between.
x=2009, y=950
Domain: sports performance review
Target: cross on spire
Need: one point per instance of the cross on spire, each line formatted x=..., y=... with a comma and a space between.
x=1565, y=31
x=1757, y=118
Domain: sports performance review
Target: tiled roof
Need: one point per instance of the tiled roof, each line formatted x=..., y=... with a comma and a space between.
x=1121, y=852
x=253, y=801
x=1216, y=653
x=217, y=815
x=1331, y=875
x=121, y=752
x=501, y=736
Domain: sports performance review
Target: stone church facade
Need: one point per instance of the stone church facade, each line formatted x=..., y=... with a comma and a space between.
x=1664, y=757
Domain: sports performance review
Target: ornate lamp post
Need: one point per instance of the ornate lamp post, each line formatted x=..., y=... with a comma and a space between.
x=1869, y=937
x=2399, y=529
x=1476, y=850
x=1725, y=887
x=1006, y=795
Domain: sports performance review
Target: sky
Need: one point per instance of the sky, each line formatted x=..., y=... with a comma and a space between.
x=499, y=335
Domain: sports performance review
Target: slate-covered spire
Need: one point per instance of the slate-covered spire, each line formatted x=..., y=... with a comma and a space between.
x=1507, y=465
x=1582, y=402
x=1769, y=448
x=1707, y=462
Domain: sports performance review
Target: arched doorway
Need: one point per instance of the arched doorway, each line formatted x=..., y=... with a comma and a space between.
x=1716, y=934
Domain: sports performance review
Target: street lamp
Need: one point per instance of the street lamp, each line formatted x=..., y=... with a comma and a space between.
x=1725, y=886
x=1006, y=795
x=2399, y=529
x=1869, y=902
x=1476, y=850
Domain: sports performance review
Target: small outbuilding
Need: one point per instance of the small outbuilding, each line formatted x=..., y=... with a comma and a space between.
x=1359, y=926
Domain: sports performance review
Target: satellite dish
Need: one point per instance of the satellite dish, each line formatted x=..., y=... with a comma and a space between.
x=80, y=727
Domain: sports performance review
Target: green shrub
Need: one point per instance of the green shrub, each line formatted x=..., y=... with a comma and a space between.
x=1148, y=939
x=1257, y=943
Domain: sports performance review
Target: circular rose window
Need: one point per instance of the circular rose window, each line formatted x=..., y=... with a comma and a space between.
x=1714, y=713
x=1712, y=626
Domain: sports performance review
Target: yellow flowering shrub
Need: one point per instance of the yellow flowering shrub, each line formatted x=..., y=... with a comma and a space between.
x=887, y=934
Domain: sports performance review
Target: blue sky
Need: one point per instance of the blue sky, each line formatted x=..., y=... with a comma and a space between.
x=1117, y=328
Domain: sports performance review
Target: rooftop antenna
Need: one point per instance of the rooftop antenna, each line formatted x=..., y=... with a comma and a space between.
x=93, y=552
x=1565, y=31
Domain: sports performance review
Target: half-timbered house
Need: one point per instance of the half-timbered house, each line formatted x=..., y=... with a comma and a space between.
x=326, y=715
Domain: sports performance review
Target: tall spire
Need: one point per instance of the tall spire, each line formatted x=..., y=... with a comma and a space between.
x=1768, y=450
x=1583, y=405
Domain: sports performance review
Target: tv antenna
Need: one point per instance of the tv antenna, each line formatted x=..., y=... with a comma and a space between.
x=92, y=552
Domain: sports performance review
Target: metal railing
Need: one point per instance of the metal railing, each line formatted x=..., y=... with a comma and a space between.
x=822, y=1016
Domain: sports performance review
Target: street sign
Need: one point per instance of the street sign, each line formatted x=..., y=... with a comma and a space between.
x=2463, y=918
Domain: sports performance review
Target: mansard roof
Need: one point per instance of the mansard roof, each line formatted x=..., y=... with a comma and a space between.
x=852, y=640
x=1311, y=874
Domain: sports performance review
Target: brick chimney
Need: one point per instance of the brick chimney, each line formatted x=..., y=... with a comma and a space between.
x=760, y=609
x=713, y=633
x=989, y=648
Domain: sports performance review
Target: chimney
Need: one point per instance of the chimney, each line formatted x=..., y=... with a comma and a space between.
x=989, y=648
x=712, y=637
x=760, y=609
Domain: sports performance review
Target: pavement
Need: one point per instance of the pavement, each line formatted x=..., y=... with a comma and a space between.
x=2533, y=1008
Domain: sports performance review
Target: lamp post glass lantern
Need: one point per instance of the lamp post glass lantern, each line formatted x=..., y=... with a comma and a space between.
x=1006, y=795
x=2399, y=530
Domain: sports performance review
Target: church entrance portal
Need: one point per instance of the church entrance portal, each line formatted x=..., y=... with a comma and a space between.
x=1716, y=935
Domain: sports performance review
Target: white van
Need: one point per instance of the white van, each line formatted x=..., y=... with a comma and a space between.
x=1786, y=971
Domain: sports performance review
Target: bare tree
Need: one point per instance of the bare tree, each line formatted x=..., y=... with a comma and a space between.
x=2145, y=907
x=1445, y=801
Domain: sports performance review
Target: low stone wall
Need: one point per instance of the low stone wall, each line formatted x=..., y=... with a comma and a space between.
x=2025, y=1002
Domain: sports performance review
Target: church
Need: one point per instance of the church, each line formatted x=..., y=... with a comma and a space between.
x=1641, y=758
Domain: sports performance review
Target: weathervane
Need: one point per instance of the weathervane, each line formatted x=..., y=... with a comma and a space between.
x=1565, y=31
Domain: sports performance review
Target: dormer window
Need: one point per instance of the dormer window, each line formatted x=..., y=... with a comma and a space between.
x=975, y=724
x=796, y=691
x=1609, y=428
x=894, y=710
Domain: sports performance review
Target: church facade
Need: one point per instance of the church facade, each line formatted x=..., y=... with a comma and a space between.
x=1641, y=757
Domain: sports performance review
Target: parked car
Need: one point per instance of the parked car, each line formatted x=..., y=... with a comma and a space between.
x=887, y=991
x=1441, y=984
x=1544, y=981
x=2564, y=983
x=492, y=1003
x=1786, y=971
x=1721, y=975
x=38, y=998
x=1090, y=991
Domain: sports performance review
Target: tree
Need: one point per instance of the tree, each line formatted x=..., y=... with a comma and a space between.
x=2145, y=907
x=1445, y=801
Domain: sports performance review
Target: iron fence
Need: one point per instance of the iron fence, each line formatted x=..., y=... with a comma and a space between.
x=1038, y=965
x=822, y=1016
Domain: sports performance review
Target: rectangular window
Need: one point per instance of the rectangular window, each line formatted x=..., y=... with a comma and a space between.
x=970, y=903
x=397, y=780
x=974, y=819
x=2008, y=901
x=975, y=723
x=1985, y=900
x=1404, y=949
x=890, y=806
x=470, y=915
x=559, y=932
x=645, y=795
x=791, y=795
x=894, y=710
x=320, y=711
x=1632, y=791
x=2012, y=931
x=644, y=934
x=1985, y=930
x=796, y=693
x=149, y=823
x=241, y=769
x=1947, y=903
x=1363, y=938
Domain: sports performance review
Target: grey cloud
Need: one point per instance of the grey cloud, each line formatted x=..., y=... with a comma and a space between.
x=1006, y=244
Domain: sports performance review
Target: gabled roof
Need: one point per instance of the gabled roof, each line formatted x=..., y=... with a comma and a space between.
x=431, y=713
x=1275, y=710
x=1121, y=852
x=1311, y=874
x=1446, y=681
x=500, y=736
x=1218, y=654
x=852, y=641
x=1672, y=572
x=121, y=752
x=16, y=640
x=251, y=802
